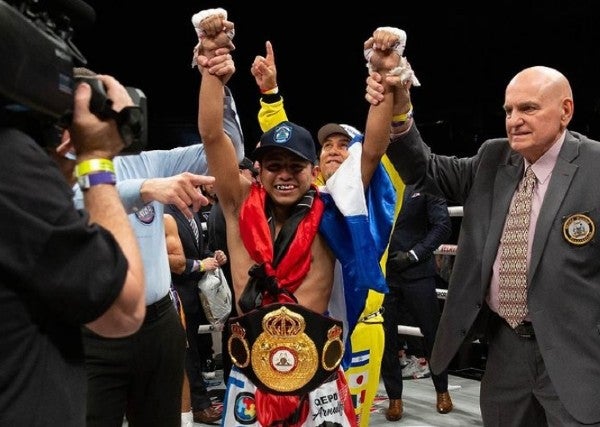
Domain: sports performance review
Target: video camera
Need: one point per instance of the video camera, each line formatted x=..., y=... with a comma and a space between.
x=36, y=70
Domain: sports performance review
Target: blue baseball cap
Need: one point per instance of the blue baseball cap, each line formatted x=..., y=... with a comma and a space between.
x=291, y=137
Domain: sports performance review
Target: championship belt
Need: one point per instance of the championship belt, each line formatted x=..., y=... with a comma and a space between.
x=285, y=348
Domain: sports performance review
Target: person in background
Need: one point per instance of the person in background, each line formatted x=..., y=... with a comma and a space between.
x=198, y=260
x=545, y=312
x=248, y=170
x=177, y=264
x=208, y=191
x=141, y=376
x=61, y=268
x=217, y=239
x=422, y=225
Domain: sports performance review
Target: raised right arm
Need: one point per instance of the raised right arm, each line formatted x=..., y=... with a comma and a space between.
x=216, y=68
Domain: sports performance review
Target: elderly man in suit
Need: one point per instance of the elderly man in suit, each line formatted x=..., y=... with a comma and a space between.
x=525, y=382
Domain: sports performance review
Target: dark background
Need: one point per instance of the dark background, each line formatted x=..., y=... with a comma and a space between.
x=463, y=56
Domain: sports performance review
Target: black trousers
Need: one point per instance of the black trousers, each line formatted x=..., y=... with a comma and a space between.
x=140, y=376
x=420, y=300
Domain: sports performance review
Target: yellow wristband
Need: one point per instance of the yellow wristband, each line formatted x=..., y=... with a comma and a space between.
x=400, y=118
x=94, y=165
x=201, y=269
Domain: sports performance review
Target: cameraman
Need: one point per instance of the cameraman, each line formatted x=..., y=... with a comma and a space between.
x=61, y=268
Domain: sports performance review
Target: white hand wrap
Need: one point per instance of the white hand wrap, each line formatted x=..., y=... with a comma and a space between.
x=404, y=70
x=398, y=47
x=201, y=16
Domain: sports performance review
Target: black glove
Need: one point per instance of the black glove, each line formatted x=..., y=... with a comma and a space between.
x=399, y=261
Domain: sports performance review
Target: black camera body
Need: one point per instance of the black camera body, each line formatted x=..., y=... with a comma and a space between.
x=131, y=121
x=36, y=69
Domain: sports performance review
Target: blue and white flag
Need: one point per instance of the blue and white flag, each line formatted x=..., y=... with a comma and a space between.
x=357, y=228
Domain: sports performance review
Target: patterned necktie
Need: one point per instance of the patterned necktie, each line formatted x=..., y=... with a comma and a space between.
x=195, y=230
x=513, y=258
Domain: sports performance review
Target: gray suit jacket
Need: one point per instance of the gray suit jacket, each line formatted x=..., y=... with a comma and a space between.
x=564, y=290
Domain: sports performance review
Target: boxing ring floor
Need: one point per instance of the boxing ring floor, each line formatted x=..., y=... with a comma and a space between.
x=419, y=403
